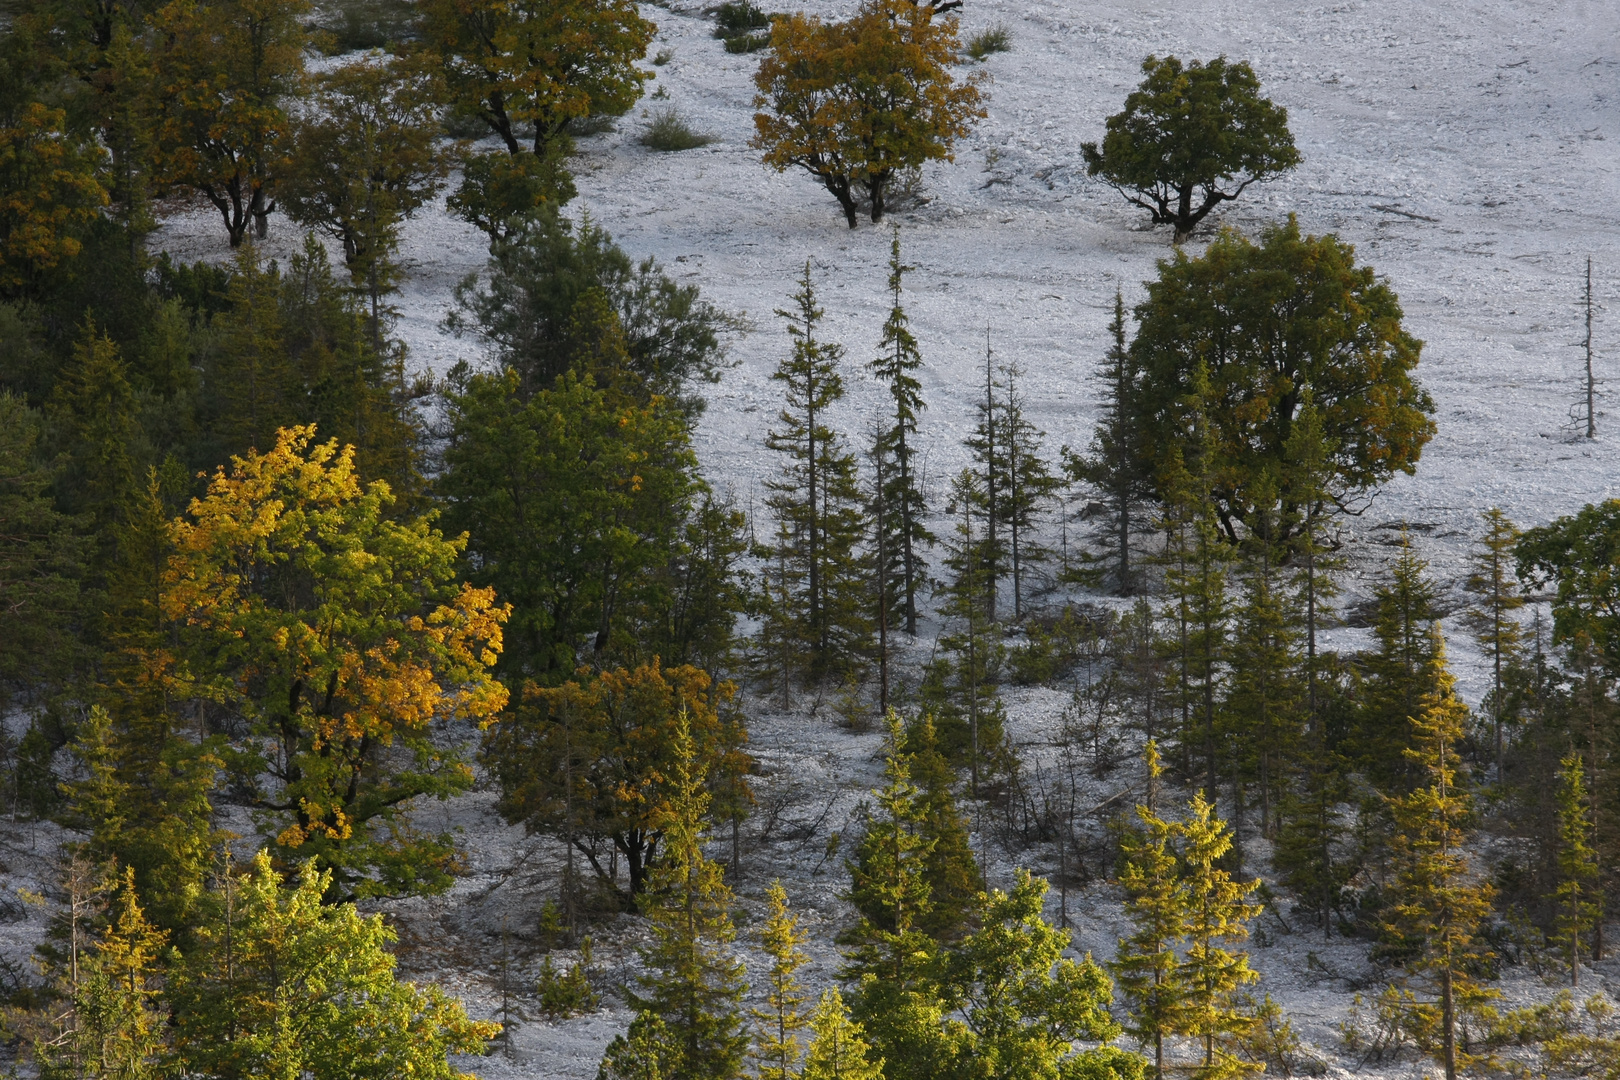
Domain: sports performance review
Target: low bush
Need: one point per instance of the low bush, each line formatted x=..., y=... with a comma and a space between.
x=667, y=130
x=994, y=40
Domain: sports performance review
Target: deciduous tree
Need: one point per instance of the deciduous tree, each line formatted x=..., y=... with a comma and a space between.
x=1191, y=137
x=1269, y=324
x=855, y=102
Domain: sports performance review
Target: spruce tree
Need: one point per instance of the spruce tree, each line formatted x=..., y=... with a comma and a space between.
x=1436, y=901
x=838, y=1050
x=1308, y=458
x=1399, y=673
x=959, y=685
x=1262, y=706
x=777, y=1045
x=1217, y=914
x=1146, y=967
x=895, y=366
x=1196, y=584
x=1113, y=465
x=690, y=981
x=988, y=492
x=1025, y=1005
x=817, y=502
x=1495, y=628
x=950, y=868
x=1577, y=895
x=1029, y=488
x=891, y=963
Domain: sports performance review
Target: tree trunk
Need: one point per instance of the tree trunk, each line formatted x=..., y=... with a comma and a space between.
x=1448, y=1026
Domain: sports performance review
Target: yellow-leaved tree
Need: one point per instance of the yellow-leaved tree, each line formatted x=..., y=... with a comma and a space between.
x=340, y=651
x=854, y=103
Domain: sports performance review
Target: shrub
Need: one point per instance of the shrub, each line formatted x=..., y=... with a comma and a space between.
x=738, y=17
x=567, y=994
x=994, y=40
x=596, y=124
x=748, y=43
x=667, y=130
x=663, y=57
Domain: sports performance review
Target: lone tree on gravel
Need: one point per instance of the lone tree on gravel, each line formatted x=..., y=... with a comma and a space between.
x=1190, y=138
x=855, y=102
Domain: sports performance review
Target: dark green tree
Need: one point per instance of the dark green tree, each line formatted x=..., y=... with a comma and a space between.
x=1399, y=672
x=1190, y=138
x=1495, y=628
x=1577, y=895
x=1269, y=324
x=817, y=505
x=905, y=525
x=1030, y=489
x=1114, y=463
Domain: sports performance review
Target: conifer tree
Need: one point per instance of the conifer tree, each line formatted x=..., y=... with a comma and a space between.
x=1491, y=619
x=1577, y=895
x=1030, y=487
x=115, y=1026
x=838, y=1050
x=96, y=414
x=777, y=1045
x=1196, y=584
x=960, y=685
x=1146, y=967
x=892, y=964
x=1263, y=694
x=1308, y=459
x=816, y=502
x=1436, y=901
x=895, y=366
x=950, y=868
x=690, y=981
x=1217, y=914
x=1024, y=1004
x=1113, y=465
x=1399, y=673
x=985, y=492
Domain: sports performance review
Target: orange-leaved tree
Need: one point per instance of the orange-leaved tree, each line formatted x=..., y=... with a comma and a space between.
x=343, y=650
x=50, y=190
x=592, y=760
x=854, y=103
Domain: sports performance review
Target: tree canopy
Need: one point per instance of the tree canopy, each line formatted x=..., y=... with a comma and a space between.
x=1232, y=345
x=1191, y=137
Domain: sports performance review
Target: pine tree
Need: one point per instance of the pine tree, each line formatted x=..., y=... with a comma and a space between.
x=690, y=981
x=896, y=365
x=1492, y=621
x=1577, y=895
x=1146, y=967
x=1025, y=1005
x=891, y=963
x=1399, y=673
x=96, y=414
x=959, y=686
x=839, y=1050
x=1196, y=583
x=1029, y=487
x=1436, y=901
x=1217, y=914
x=1113, y=465
x=816, y=502
x=950, y=869
x=1262, y=706
x=1308, y=459
x=988, y=492
x=115, y=1026
x=777, y=1046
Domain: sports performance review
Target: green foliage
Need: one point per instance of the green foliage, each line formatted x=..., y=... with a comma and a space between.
x=37, y=791
x=594, y=758
x=646, y=1052
x=1267, y=324
x=690, y=981
x=535, y=316
x=950, y=869
x=347, y=644
x=1577, y=864
x=777, y=1044
x=40, y=557
x=1576, y=554
x=1436, y=904
x=498, y=191
x=857, y=103
x=282, y=984
x=815, y=610
x=1495, y=628
x=1399, y=673
x=668, y=130
x=50, y=192
x=898, y=504
x=1191, y=137
x=1024, y=1004
x=996, y=39
x=838, y=1050
x=567, y=993
x=738, y=17
x=537, y=64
